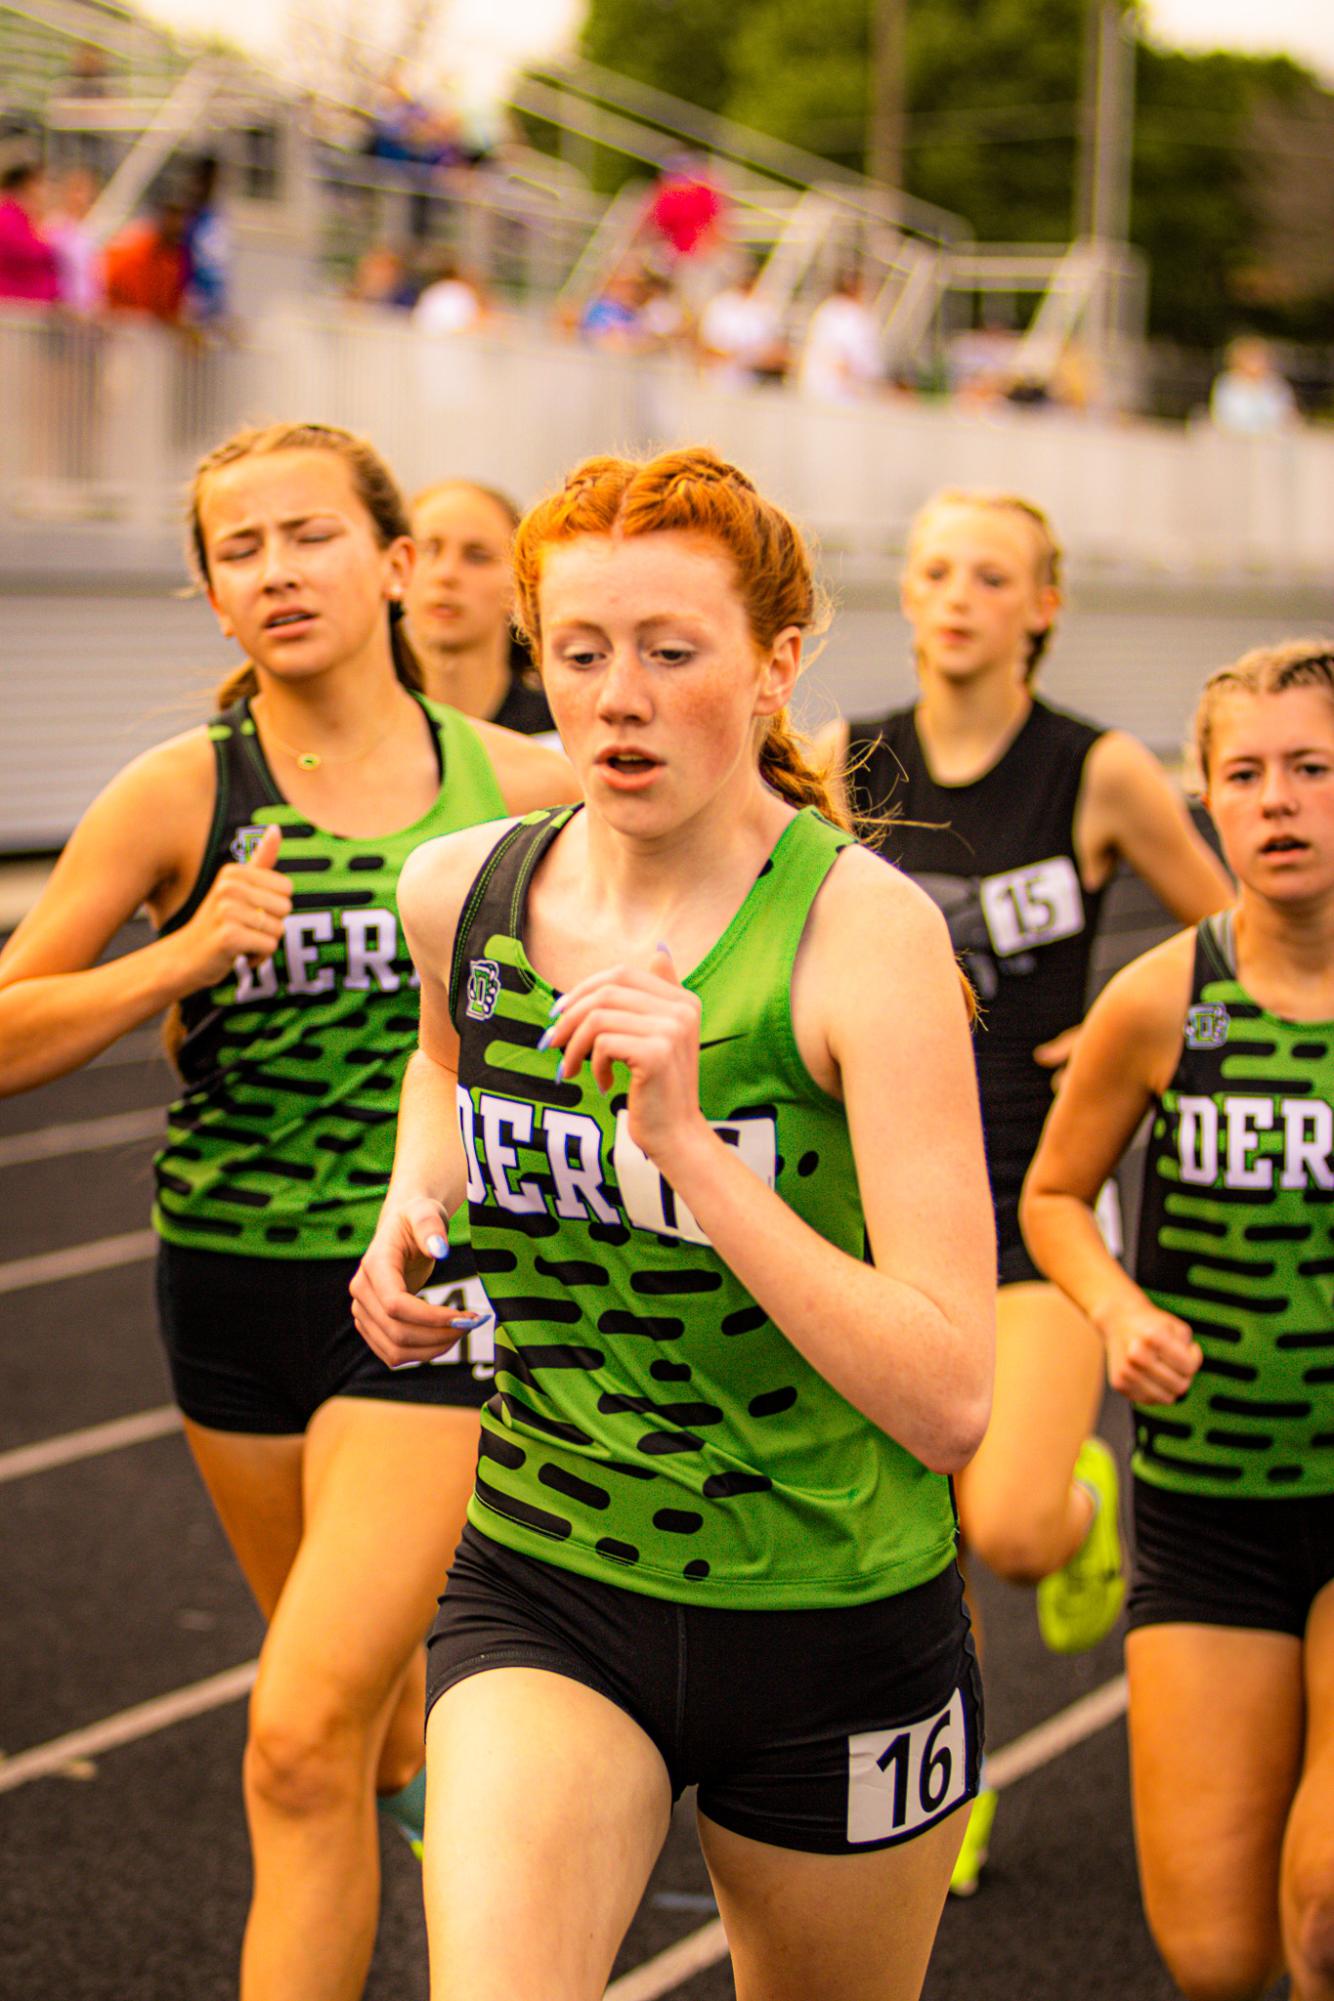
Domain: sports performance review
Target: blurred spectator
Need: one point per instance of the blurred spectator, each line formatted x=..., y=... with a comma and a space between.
x=451, y=304
x=1249, y=395
x=615, y=318
x=28, y=268
x=980, y=360
x=78, y=258
x=147, y=267
x=381, y=279
x=404, y=127
x=662, y=317
x=89, y=73
x=686, y=215
x=741, y=334
x=840, y=359
x=208, y=246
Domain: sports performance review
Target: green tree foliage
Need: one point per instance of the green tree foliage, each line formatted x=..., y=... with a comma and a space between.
x=993, y=90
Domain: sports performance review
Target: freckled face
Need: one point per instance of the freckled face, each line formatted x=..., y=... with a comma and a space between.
x=1271, y=791
x=653, y=678
x=296, y=574
x=971, y=591
x=462, y=589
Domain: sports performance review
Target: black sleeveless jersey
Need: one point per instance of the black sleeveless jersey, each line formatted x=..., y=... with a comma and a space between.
x=524, y=708
x=998, y=857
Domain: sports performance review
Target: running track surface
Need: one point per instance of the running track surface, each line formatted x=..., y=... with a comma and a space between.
x=126, y=1869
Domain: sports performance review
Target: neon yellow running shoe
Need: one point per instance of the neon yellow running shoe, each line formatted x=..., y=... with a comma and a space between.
x=977, y=1836
x=1078, y=1604
x=406, y=1811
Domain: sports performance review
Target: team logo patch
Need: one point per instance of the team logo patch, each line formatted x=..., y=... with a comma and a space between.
x=244, y=842
x=483, y=989
x=1206, y=1026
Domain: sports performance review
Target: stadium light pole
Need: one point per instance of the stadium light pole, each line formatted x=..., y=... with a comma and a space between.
x=886, y=108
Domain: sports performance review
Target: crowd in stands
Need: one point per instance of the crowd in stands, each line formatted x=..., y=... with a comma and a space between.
x=683, y=285
x=171, y=263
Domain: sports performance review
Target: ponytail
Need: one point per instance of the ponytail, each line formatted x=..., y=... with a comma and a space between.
x=786, y=767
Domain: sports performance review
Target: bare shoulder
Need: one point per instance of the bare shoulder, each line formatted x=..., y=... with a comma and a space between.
x=868, y=904
x=530, y=773
x=1119, y=768
x=876, y=943
x=436, y=878
x=1142, y=1008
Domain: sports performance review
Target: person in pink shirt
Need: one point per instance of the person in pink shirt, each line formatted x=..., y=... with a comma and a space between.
x=27, y=260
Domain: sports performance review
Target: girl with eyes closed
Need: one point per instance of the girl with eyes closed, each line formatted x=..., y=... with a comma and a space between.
x=699, y=1066
x=266, y=846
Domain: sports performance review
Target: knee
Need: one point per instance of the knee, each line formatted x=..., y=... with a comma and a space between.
x=1220, y=1965
x=1310, y=1933
x=305, y=1759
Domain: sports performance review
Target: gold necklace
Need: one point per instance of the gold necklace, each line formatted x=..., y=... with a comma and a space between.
x=311, y=760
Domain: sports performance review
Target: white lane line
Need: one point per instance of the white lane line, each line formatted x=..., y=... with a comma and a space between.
x=1060, y=1733
x=680, y=1962
x=128, y=1726
x=1037, y=1747
x=70, y=1446
x=81, y=1136
x=103, y=1254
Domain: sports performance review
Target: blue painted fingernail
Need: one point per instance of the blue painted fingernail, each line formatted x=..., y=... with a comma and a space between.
x=544, y=1040
x=468, y=1321
x=438, y=1248
x=664, y=948
x=557, y=1004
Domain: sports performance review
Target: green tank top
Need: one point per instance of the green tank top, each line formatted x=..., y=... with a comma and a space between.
x=1237, y=1238
x=651, y=1426
x=281, y=1142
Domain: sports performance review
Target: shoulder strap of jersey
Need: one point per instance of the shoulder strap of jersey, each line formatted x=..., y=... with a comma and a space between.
x=494, y=904
x=1216, y=946
x=243, y=789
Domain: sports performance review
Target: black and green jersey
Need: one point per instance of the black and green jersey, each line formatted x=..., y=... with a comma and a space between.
x=652, y=1426
x=1237, y=1238
x=281, y=1142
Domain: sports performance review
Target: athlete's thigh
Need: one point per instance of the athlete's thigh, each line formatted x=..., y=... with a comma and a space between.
x=831, y=1927
x=386, y=1486
x=1049, y=1382
x=254, y=1483
x=1216, y=1728
x=1308, y=1853
x=546, y=1808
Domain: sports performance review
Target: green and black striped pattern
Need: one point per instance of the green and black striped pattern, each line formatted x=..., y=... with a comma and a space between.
x=1237, y=1238
x=652, y=1426
x=281, y=1142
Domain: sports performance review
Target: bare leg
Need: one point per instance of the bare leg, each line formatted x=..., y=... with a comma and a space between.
x=1019, y=1508
x=380, y=1526
x=1216, y=1726
x=830, y=1927
x=546, y=1809
x=1308, y=1849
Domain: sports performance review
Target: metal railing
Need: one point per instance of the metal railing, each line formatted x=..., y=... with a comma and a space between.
x=100, y=425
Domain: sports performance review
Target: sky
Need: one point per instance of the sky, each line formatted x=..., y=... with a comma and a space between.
x=485, y=37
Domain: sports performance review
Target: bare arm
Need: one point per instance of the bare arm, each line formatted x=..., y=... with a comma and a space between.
x=430, y=1177
x=908, y=1340
x=1125, y=1057
x=530, y=774
x=140, y=842
x=1130, y=810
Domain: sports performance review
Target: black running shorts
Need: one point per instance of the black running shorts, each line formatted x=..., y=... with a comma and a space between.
x=1219, y=1560
x=258, y=1344
x=829, y=1732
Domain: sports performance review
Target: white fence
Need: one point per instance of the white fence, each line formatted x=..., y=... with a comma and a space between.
x=99, y=428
